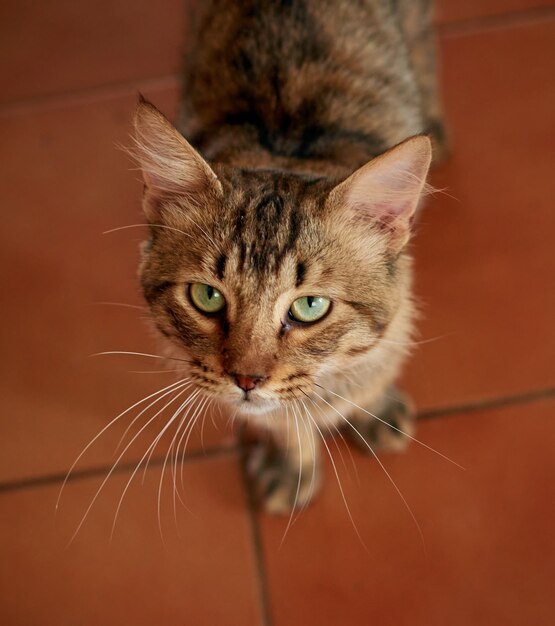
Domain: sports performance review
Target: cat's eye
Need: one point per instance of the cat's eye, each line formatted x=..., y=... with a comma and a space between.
x=309, y=309
x=206, y=298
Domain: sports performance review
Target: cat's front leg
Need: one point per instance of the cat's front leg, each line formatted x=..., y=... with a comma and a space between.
x=385, y=424
x=286, y=470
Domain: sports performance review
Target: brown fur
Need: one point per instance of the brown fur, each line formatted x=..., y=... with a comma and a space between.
x=284, y=100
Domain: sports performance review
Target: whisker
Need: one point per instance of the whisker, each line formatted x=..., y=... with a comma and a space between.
x=159, y=507
x=299, y=479
x=152, y=356
x=413, y=343
x=339, y=484
x=212, y=416
x=120, y=304
x=140, y=462
x=164, y=371
x=339, y=434
x=173, y=462
x=111, y=423
x=114, y=230
x=381, y=465
x=187, y=432
x=116, y=464
x=152, y=447
x=287, y=424
x=443, y=456
x=310, y=431
x=192, y=419
x=218, y=248
x=164, y=226
x=186, y=385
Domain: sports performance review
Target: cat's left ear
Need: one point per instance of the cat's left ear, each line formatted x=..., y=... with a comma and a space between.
x=169, y=163
x=385, y=192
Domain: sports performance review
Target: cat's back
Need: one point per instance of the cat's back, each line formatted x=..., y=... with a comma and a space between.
x=301, y=79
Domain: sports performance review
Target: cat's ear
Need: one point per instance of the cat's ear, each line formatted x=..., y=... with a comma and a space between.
x=385, y=192
x=170, y=165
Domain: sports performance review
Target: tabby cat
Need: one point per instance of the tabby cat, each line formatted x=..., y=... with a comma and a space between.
x=277, y=265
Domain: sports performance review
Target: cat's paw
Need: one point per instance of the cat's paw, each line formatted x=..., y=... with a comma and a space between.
x=280, y=485
x=395, y=419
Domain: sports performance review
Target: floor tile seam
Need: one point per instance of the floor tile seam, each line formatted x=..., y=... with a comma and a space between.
x=257, y=545
x=488, y=23
x=76, y=97
x=32, y=482
x=216, y=451
x=488, y=404
x=107, y=91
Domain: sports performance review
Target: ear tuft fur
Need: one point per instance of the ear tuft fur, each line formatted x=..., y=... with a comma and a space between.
x=386, y=191
x=170, y=165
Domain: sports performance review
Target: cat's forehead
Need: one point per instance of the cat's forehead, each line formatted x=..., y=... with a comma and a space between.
x=270, y=222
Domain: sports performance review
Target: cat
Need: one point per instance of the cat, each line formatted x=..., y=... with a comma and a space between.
x=278, y=264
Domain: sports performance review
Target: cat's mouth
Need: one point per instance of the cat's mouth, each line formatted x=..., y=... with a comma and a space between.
x=254, y=403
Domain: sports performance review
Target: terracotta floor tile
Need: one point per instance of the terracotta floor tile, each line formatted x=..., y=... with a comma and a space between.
x=489, y=556
x=59, y=45
x=454, y=10
x=65, y=182
x=484, y=251
x=204, y=575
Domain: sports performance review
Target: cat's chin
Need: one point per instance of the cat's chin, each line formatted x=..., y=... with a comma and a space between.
x=256, y=406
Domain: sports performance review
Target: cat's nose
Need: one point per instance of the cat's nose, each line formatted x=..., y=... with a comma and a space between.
x=247, y=382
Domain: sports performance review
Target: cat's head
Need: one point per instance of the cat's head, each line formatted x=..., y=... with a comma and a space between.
x=266, y=280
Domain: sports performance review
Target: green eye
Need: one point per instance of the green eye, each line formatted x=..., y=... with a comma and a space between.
x=206, y=298
x=309, y=309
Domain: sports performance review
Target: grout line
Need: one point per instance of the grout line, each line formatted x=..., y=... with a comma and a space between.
x=492, y=403
x=87, y=95
x=257, y=544
x=209, y=453
x=127, y=87
x=493, y=22
x=53, y=479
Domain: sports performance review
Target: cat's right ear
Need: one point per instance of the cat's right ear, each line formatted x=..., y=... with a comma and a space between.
x=170, y=165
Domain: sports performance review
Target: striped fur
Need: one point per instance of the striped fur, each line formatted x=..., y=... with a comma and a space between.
x=287, y=105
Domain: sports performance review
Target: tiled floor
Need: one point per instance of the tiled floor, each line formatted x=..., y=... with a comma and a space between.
x=484, y=378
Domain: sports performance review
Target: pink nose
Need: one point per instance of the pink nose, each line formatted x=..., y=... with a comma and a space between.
x=247, y=382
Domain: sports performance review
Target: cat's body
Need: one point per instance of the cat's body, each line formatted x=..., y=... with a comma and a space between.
x=319, y=86
x=286, y=100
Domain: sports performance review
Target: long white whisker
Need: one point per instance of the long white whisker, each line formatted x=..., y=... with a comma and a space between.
x=159, y=506
x=338, y=432
x=152, y=356
x=199, y=409
x=111, y=423
x=218, y=248
x=186, y=385
x=164, y=371
x=154, y=444
x=382, y=466
x=116, y=464
x=141, y=460
x=174, y=469
x=411, y=343
x=299, y=479
x=394, y=428
x=339, y=484
x=118, y=228
x=185, y=435
x=120, y=304
x=164, y=226
x=176, y=458
x=310, y=431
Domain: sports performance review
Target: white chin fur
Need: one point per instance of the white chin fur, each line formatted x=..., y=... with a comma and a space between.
x=258, y=406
